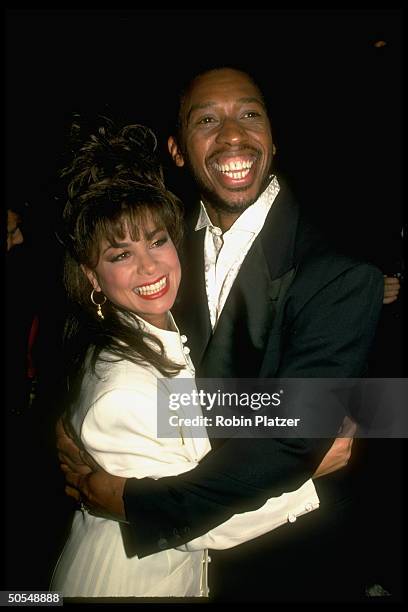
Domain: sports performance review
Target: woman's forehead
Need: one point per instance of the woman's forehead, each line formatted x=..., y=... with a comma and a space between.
x=134, y=228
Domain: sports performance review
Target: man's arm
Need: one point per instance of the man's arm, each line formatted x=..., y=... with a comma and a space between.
x=84, y=476
x=102, y=493
x=329, y=334
x=329, y=337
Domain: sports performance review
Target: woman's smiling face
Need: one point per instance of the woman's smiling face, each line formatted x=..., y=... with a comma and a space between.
x=141, y=276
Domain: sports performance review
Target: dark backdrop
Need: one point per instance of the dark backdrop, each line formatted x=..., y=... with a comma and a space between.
x=334, y=80
x=336, y=96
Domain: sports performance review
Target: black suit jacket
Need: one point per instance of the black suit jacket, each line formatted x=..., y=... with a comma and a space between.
x=296, y=309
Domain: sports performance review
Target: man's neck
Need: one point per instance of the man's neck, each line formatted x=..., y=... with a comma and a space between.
x=221, y=219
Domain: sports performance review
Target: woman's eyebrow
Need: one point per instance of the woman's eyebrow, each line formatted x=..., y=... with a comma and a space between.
x=124, y=245
x=117, y=245
x=150, y=235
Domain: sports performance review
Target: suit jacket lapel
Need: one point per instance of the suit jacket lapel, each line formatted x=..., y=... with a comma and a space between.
x=278, y=235
x=238, y=344
x=242, y=328
x=191, y=308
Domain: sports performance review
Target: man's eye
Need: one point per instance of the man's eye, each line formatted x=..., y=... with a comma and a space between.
x=252, y=114
x=206, y=120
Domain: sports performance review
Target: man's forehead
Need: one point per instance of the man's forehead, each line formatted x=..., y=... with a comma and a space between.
x=220, y=86
x=225, y=82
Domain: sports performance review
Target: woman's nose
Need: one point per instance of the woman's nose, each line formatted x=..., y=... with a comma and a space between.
x=146, y=263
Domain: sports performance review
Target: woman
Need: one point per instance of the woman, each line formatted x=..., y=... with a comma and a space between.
x=122, y=274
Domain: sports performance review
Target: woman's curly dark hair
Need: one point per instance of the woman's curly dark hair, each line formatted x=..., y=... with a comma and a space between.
x=115, y=185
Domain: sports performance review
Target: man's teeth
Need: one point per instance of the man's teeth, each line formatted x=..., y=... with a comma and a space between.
x=151, y=289
x=235, y=170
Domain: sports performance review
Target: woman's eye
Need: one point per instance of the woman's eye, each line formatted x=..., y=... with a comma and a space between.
x=160, y=242
x=120, y=257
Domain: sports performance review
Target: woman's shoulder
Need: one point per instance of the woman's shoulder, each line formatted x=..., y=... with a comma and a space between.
x=111, y=372
x=113, y=385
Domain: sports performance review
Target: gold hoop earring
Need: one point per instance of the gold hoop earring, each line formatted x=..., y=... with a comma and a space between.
x=99, y=309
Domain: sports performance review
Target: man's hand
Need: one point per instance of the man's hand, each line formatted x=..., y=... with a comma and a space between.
x=391, y=289
x=339, y=453
x=70, y=455
x=100, y=492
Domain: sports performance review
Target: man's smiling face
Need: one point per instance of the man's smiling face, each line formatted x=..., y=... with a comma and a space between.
x=226, y=139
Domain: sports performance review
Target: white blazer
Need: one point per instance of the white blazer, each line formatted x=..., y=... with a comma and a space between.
x=116, y=419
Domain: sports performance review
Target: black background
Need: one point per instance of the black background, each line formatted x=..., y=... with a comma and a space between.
x=336, y=97
x=337, y=122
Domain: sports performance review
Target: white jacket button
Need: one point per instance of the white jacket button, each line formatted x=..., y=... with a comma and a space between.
x=309, y=507
x=292, y=518
x=186, y=350
x=183, y=338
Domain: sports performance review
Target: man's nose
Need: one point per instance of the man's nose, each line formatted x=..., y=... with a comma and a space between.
x=231, y=132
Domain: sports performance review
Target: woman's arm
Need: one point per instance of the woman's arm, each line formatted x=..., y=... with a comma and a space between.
x=246, y=526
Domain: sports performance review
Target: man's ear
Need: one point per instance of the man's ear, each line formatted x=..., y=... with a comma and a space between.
x=175, y=152
x=90, y=274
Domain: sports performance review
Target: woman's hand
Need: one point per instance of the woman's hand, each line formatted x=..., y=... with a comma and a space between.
x=70, y=455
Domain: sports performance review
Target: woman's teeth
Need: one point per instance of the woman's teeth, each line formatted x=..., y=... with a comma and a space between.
x=151, y=289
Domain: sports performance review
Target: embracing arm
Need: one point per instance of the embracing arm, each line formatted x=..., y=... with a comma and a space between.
x=246, y=526
x=330, y=337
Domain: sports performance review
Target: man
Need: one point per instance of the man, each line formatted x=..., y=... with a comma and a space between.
x=14, y=234
x=264, y=297
x=391, y=289
x=21, y=315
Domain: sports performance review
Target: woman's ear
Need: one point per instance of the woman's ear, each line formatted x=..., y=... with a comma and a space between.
x=175, y=152
x=91, y=276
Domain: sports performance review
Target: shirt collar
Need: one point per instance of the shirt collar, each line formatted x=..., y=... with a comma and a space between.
x=253, y=218
x=163, y=334
x=203, y=218
x=158, y=331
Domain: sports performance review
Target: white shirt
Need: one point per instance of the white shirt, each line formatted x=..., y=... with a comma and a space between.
x=225, y=253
